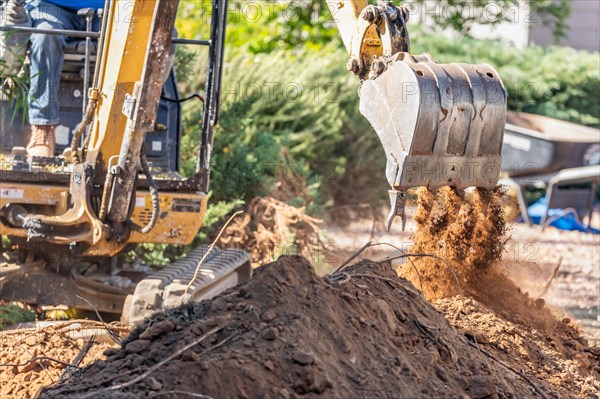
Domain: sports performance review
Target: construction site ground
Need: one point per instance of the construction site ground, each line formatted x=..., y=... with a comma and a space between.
x=564, y=266
x=289, y=333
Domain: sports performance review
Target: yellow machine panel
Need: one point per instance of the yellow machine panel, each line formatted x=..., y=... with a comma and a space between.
x=181, y=214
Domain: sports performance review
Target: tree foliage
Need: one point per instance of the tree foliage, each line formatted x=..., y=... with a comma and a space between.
x=267, y=25
x=462, y=15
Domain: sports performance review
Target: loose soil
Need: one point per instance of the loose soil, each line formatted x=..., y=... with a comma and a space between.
x=362, y=333
x=556, y=354
x=270, y=228
x=22, y=376
x=467, y=234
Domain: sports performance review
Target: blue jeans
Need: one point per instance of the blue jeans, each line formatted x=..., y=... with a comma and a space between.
x=46, y=58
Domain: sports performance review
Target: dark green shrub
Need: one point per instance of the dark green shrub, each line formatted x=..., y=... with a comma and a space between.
x=559, y=82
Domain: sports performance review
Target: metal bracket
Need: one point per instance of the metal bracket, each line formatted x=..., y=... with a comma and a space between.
x=390, y=23
x=129, y=106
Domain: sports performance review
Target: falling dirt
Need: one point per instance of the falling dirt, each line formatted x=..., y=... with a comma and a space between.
x=467, y=233
x=288, y=333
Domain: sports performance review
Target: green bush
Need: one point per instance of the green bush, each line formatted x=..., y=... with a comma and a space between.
x=283, y=118
x=264, y=26
x=317, y=130
x=559, y=82
x=13, y=314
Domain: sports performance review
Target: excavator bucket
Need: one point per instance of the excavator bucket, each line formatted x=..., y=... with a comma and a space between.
x=440, y=124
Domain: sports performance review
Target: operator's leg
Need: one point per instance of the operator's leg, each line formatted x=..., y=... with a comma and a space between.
x=46, y=58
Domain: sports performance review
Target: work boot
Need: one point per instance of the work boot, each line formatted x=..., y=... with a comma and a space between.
x=42, y=141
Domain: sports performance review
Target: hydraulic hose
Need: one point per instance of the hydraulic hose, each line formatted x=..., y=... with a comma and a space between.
x=108, y=184
x=91, y=106
x=80, y=129
x=153, y=193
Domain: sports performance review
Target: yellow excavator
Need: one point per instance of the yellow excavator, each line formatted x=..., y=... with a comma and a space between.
x=69, y=217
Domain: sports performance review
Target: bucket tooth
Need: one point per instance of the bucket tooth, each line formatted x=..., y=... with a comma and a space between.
x=398, y=205
x=439, y=124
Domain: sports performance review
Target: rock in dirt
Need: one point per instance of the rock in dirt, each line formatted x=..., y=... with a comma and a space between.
x=302, y=358
x=271, y=334
x=153, y=384
x=137, y=346
x=481, y=388
x=158, y=329
x=388, y=342
x=268, y=316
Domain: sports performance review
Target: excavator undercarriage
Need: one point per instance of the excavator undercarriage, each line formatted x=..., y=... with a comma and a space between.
x=74, y=214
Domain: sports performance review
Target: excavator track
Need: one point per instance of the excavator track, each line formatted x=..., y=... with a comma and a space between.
x=167, y=288
x=85, y=285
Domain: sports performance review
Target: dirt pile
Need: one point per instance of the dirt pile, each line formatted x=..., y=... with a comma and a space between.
x=28, y=357
x=559, y=356
x=466, y=232
x=288, y=334
x=270, y=228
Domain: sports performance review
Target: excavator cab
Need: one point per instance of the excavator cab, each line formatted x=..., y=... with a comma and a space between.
x=163, y=143
x=439, y=124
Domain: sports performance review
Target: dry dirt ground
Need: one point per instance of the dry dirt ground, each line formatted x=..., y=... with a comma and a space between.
x=29, y=355
x=360, y=333
x=365, y=333
x=530, y=260
x=533, y=257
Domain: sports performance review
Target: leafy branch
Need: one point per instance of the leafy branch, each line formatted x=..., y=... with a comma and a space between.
x=462, y=15
x=14, y=88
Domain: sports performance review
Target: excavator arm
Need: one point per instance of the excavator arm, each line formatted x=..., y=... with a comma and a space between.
x=107, y=156
x=370, y=32
x=439, y=124
x=70, y=218
x=122, y=108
